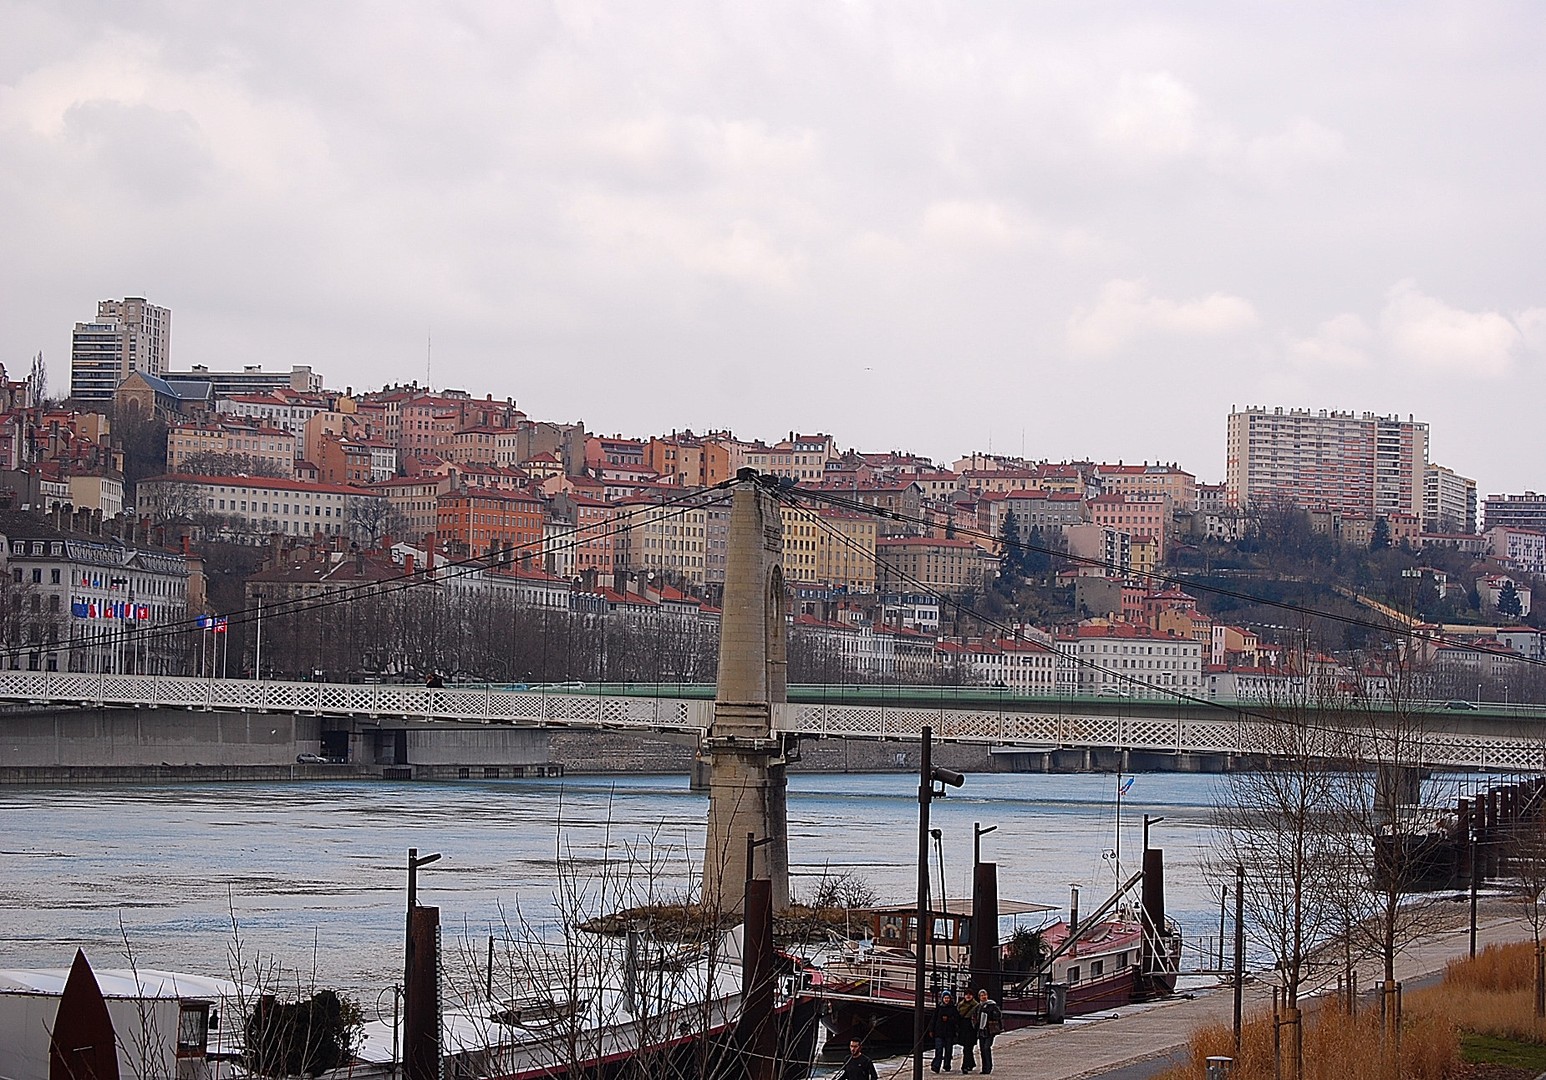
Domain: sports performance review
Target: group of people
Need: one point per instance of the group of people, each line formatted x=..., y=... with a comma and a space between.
x=972, y=1025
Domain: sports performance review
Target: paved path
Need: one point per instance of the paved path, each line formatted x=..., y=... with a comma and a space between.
x=1125, y=1046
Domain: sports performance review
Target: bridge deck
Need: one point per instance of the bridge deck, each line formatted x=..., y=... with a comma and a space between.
x=1466, y=740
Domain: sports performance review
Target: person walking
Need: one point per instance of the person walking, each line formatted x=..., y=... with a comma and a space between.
x=967, y=1031
x=946, y=1029
x=857, y=1067
x=990, y=1021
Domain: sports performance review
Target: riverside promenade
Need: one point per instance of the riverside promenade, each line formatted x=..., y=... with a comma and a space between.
x=1155, y=1034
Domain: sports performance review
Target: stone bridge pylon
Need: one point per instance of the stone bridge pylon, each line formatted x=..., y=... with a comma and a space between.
x=747, y=782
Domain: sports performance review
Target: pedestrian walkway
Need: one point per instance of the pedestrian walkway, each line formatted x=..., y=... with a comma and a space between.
x=1093, y=1048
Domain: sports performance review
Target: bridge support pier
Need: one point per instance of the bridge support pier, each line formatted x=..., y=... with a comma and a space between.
x=747, y=780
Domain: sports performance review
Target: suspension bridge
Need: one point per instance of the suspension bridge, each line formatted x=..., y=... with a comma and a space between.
x=1502, y=739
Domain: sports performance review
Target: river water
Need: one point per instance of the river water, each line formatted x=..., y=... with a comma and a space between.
x=313, y=873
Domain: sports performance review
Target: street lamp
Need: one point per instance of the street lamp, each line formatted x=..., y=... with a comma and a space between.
x=928, y=776
x=978, y=832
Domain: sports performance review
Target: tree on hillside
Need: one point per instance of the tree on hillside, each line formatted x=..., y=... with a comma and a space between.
x=1379, y=540
x=1010, y=558
x=1509, y=602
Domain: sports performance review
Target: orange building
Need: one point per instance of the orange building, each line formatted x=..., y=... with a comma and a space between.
x=477, y=520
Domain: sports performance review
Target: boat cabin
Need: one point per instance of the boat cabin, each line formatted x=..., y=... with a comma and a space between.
x=165, y=1024
x=949, y=929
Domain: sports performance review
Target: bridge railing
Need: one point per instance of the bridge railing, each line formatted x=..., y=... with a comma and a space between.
x=475, y=704
x=539, y=707
x=1032, y=730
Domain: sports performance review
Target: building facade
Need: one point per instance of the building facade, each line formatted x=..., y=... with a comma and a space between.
x=1355, y=463
x=127, y=335
x=1449, y=501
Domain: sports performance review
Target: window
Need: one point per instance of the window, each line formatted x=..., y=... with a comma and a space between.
x=1073, y=975
x=37, y=575
x=53, y=576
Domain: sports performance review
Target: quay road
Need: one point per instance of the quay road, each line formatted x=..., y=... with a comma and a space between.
x=1144, y=1040
x=1510, y=739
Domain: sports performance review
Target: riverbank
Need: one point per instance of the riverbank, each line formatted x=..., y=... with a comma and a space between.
x=1096, y=1047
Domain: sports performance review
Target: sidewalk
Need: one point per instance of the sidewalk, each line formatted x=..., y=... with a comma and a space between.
x=1092, y=1048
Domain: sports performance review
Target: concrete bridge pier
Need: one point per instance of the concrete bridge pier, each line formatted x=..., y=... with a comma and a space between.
x=747, y=778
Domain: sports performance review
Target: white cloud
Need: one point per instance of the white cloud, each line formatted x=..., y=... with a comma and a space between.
x=1424, y=331
x=1127, y=311
x=1152, y=114
x=975, y=223
x=1339, y=342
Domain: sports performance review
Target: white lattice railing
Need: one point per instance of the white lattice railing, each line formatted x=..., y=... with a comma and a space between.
x=1042, y=730
x=479, y=705
x=1006, y=727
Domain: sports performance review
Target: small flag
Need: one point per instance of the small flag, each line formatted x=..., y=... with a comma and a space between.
x=1126, y=786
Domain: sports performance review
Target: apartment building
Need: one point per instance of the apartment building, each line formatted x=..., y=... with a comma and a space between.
x=270, y=446
x=127, y=335
x=81, y=601
x=474, y=521
x=1356, y=463
x=655, y=538
x=1143, y=517
x=1169, y=481
x=249, y=508
x=413, y=502
x=1121, y=659
x=1526, y=510
x=934, y=564
x=830, y=547
x=1449, y=501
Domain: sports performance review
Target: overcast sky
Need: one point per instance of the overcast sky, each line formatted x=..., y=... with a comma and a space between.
x=1077, y=229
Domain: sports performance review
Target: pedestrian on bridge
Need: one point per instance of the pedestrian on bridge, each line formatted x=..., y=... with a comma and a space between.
x=966, y=1031
x=857, y=1067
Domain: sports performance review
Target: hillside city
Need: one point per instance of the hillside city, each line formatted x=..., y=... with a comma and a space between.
x=153, y=513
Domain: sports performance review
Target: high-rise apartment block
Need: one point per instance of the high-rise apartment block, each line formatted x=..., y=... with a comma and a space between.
x=1449, y=501
x=1353, y=463
x=127, y=335
x=1523, y=511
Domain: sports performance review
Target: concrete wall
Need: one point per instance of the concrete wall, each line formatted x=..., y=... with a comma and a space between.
x=134, y=737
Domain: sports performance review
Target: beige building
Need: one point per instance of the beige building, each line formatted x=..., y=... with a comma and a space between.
x=660, y=539
x=248, y=508
x=412, y=502
x=910, y=563
x=829, y=547
x=270, y=445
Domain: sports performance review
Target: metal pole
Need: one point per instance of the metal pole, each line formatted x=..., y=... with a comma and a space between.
x=1223, y=904
x=1239, y=951
x=925, y=792
x=489, y=983
x=1474, y=882
x=257, y=658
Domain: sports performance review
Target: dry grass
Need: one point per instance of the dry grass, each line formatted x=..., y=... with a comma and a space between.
x=1336, y=1047
x=1493, y=994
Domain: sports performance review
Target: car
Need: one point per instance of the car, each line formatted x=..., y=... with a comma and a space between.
x=1461, y=705
x=1114, y=691
x=310, y=759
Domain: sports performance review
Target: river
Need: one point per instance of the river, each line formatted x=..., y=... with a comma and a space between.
x=313, y=872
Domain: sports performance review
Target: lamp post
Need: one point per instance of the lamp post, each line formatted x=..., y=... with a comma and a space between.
x=978, y=832
x=928, y=776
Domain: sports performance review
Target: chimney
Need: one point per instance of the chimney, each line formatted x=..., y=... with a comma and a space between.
x=408, y=565
x=187, y=546
x=429, y=551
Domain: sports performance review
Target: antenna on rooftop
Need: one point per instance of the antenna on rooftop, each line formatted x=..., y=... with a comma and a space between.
x=429, y=343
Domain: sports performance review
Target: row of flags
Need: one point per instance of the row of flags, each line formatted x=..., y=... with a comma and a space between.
x=109, y=609
x=213, y=623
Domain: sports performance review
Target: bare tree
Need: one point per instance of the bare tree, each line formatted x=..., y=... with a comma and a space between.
x=1277, y=820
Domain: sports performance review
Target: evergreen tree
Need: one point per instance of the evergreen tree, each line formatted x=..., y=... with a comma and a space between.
x=1010, y=555
x=1380, y=540
x=1036, y=561
x=1509, y=602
